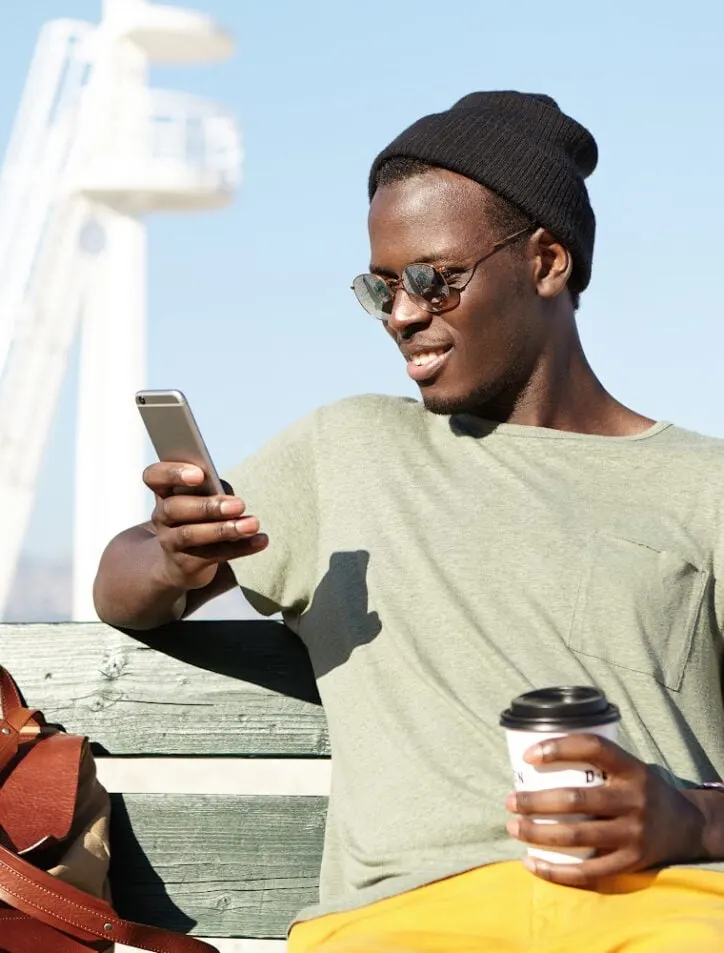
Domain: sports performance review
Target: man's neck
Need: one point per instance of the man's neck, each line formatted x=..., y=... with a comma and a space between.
x=563, y=393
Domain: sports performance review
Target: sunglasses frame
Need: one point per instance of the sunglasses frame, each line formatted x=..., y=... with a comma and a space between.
x=452, y=297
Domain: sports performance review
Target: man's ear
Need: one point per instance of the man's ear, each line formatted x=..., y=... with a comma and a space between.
x=553, y=264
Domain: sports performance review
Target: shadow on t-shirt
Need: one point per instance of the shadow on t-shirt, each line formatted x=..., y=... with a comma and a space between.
x=339, y=620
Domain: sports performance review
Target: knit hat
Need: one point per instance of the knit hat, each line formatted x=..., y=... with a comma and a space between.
x=524, y=148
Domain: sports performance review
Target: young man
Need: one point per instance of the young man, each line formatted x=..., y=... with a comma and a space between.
x=517, y=528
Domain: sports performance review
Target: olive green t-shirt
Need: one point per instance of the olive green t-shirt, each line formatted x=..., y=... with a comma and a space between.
x=435, y=567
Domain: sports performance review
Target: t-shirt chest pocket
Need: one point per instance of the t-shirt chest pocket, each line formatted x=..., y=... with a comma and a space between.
x=637, y=608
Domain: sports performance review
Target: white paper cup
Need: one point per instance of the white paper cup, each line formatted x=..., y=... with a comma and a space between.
x=529, y=777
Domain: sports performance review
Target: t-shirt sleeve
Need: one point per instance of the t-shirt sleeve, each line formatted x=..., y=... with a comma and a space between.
x=279, y=486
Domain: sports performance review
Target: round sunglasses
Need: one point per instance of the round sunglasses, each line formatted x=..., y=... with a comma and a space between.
x=426, y=286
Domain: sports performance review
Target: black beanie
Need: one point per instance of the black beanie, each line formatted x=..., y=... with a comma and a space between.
x=524, y=148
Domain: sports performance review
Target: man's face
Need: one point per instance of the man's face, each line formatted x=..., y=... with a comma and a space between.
x=481, y=353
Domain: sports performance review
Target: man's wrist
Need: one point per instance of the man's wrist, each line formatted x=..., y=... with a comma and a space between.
x=707, y=843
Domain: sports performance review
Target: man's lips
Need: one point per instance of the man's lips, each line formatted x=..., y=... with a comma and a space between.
x=425, y=361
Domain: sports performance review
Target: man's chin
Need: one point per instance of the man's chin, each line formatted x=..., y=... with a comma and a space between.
x=448, y=404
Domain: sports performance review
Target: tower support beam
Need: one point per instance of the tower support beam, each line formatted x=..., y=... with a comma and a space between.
x=95, y=150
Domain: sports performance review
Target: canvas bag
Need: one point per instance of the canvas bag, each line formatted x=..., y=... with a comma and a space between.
x=54, y=844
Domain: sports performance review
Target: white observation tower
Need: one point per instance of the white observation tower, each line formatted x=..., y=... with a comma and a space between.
x=93, y=150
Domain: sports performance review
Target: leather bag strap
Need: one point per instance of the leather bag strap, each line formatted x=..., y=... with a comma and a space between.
x=9, y=693
x=79, y=914
x=15, y=718
x=12, y=727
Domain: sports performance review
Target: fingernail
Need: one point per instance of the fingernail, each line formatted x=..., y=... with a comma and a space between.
x=546, y=751
x=511, y=802
x=513, y=828
x=535, y=753
x=190, y=473
x=530, y=864
x=259, y=542
x=228, y=507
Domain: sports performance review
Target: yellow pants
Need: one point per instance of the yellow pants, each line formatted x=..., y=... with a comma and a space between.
x=502, y=908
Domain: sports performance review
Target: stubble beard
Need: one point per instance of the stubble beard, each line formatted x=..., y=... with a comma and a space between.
x=489, y=400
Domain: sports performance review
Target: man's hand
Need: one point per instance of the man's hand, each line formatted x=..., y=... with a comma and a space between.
x=638, y=820
x=196, y=533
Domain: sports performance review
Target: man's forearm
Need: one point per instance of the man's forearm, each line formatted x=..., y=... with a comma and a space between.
x=130, y=589
x=710, y=804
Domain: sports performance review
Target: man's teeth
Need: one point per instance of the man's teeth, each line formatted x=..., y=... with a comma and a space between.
x=427, y=357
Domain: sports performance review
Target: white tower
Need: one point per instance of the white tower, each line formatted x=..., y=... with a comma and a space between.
x=92, y=151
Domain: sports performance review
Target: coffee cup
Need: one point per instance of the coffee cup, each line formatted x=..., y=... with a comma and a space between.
x=553, y=713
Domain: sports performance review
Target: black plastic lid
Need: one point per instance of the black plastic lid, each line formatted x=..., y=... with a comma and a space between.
x=560, y=708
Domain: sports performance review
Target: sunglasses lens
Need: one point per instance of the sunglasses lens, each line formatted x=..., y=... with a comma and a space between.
x=426, y=286
x=374, y=295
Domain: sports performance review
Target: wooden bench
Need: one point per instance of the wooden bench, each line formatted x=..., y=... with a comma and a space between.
x=213, y=745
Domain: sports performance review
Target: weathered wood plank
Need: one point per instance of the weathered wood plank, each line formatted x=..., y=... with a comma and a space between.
x=215, y=688
x=216, y=866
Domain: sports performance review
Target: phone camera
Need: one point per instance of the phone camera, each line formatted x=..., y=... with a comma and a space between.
x=140, y=400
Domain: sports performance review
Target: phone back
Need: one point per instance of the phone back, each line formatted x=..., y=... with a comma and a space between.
x=175, y=435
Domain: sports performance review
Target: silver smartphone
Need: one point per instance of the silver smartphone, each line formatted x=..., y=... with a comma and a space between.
x=175, y=435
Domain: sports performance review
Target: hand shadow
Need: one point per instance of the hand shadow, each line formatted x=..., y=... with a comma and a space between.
x=338, y=620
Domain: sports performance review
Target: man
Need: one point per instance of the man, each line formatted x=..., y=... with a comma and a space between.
x=517, y=528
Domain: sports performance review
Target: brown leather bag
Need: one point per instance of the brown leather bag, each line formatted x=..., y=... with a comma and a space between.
x=54, y=824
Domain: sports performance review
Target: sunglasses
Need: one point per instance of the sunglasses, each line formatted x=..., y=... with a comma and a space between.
x=427, y=287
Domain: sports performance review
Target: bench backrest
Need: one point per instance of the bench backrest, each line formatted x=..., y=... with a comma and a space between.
x=212, y=742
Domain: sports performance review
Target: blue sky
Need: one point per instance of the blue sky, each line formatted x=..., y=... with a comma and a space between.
x=250, y=308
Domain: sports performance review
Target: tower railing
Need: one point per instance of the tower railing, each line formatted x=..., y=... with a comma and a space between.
x=176, y=140
x=195, y=132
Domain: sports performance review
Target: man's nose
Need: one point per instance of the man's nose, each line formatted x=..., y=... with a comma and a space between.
x=405, y=315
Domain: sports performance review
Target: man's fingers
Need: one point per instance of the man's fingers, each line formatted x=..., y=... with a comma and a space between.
x=179, y=509
x=223, y=552
x=586, y=875
x=165, y=478
x=591, y=749
x=598, y=835
x=600, y=800
x=196, y=536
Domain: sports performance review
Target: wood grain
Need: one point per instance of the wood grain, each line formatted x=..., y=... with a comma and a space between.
x=216, y=865
x=215, y=688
